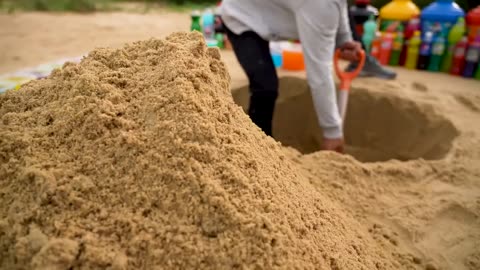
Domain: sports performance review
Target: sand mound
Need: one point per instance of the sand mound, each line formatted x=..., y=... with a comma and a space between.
x=139, y=158
x=379, y=125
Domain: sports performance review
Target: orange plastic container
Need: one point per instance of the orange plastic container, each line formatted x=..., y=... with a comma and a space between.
x=293, y=59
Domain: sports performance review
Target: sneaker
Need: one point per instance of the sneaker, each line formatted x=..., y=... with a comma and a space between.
x=372, y=68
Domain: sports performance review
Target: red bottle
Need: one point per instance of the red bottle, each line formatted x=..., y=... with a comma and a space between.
x=458, y=63
x=376, y=43
x=413, y=25
x=473, y=22
x=386, y=47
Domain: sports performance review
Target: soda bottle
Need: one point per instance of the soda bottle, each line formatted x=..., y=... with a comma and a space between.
x=477, y=74
x=386, y=47
x=425, y=50
x=473, y=22
x=397, y=48
x=369, y=30
x=413, y=51
x=413, y=25
x=196, y=21
x=375, y=51
x=438, y=49
x=208, y=20
x=458, y=62
x=454, y=36
x=472, y=57
x=219, y=37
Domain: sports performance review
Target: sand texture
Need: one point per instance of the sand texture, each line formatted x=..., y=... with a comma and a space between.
x=138, y=158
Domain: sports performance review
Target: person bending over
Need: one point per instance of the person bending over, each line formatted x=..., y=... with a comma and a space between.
x=320, y=25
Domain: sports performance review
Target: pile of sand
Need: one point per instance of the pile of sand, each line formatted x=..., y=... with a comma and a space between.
x=139, y=158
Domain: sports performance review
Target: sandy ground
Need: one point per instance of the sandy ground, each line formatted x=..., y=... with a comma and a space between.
x=427, y=206
x=29, y=39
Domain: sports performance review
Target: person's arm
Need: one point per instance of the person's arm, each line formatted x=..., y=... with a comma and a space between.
x=321, y=24
x=346, y=27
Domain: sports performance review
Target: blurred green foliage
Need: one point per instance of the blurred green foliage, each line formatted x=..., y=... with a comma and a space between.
x=52, y=5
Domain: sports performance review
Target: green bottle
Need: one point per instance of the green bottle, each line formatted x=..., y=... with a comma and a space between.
x=477, y=74
x=369, y=30
x=454, y=36
x=438, y=49
x=196, y=26
x=397, y=47
x=219, y=38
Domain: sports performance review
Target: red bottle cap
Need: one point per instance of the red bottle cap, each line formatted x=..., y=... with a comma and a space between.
x=362, y=2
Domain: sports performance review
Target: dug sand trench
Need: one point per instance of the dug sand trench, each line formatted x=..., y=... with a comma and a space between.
x=138, y=158
x=379, y=126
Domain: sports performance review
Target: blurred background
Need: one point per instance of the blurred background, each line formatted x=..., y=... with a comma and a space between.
x=106, y=5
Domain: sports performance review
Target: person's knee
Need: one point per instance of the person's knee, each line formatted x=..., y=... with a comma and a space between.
x=264, y=82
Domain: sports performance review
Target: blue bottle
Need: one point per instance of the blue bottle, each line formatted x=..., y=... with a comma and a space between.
x=425, y=51
x=443, y=13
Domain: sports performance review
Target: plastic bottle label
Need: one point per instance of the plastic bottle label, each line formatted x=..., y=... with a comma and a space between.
x=438, y=49
x=459, y=52
x=473, y=55
x=436, y=27
x=397, y=46
x=425, y=49
x=386, y=44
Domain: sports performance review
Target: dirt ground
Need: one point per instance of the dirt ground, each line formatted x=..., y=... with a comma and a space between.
x=426, y=201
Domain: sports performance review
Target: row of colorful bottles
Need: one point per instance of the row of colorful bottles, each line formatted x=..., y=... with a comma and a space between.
x=440, y=15
x=435, y=52
x=459, y=58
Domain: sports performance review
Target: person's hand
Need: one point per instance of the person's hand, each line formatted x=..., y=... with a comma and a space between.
x=336, y=145
x=350, y=50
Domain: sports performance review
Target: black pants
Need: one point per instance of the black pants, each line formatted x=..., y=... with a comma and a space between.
x=253, y=54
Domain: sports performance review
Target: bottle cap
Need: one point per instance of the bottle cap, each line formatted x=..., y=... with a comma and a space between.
x=362, y=2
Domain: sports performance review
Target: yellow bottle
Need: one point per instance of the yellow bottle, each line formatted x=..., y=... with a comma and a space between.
x=397, y=10
x=413, y=51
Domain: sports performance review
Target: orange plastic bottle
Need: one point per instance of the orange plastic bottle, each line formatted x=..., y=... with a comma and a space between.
x=386, y=47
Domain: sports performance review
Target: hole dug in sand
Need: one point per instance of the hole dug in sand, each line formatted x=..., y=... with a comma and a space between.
x=379, y=126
